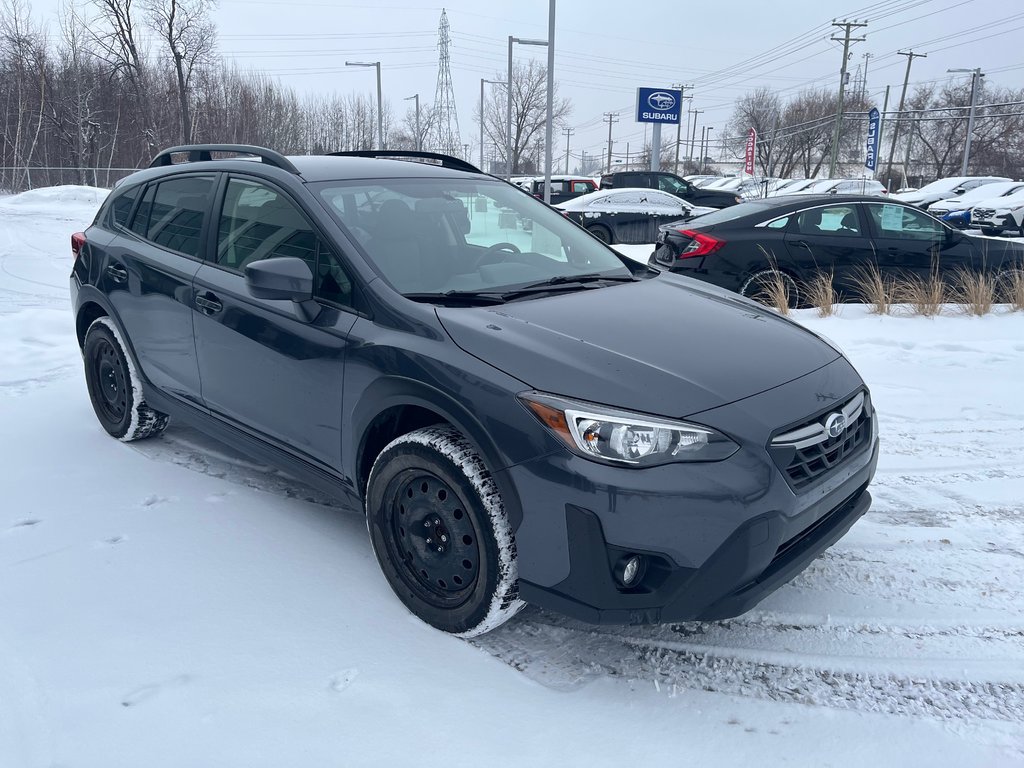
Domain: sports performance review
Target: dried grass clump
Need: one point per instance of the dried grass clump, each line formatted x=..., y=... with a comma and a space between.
x=974, y=292
x=873, y=289
x=1010, y=289
x=924, y=296
x=820, y=293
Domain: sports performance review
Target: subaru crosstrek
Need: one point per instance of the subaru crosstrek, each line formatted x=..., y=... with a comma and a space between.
x=523, y=416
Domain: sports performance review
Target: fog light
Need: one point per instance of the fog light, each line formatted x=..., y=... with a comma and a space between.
x=630, y=570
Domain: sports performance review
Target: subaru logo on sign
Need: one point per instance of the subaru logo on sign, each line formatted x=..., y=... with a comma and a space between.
x=661, y=101
x=835, y=424
x=658, y=105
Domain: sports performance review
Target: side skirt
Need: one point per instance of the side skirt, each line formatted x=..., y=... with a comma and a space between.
x=329, y=483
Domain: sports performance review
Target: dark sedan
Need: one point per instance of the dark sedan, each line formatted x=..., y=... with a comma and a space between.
x=793, y=238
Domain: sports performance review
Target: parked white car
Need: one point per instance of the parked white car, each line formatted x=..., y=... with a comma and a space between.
x=1003, y=214
x=979, y=196
x=629, y=215
x=943, y=189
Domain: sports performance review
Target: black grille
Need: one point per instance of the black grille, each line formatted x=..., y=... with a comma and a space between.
x=806, y=464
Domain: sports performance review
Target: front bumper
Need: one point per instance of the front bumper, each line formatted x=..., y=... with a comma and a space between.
x=716, y=538
x=1005, y=221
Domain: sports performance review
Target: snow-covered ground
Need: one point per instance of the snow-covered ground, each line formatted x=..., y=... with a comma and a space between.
x=169, y=603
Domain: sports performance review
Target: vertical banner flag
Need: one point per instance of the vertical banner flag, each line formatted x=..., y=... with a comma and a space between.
x=748, y=165
x=874, y=139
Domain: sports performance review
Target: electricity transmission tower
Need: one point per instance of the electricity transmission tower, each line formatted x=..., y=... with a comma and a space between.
x=445, y=133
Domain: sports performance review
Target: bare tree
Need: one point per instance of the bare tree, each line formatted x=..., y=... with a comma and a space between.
x=529, y=113
x=190, y=40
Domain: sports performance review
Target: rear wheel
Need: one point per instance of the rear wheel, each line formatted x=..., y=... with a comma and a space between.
x=991, y=231
x=440, y=534
x=601, y=232
x=772, y=287
x=114, y=386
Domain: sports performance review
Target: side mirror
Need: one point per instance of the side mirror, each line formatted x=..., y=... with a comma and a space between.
x=284, y=278
x=959, y=190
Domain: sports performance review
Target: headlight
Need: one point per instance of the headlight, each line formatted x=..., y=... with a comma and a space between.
x=620, y=437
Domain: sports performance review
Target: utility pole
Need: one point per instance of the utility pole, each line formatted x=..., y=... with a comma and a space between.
x=419, y=140
x=626, y=166
x=864, y=82
x=567, y=132
x=682, y=97
x=899, y=114
x=693, y=136
x=611, y=117
x=976, y=76
x=846, y=39
x=700, y=157
x=492, y=82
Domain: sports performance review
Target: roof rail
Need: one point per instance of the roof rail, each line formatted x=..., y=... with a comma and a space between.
x=203, y=152
x=445, y=161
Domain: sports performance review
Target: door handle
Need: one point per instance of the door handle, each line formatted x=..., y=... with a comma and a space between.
x=208, y=304
x=117, y=273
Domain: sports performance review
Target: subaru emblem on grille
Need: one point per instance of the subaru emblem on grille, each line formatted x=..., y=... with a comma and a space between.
x=835, y=424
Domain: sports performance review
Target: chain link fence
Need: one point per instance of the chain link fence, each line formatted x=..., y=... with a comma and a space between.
x=14, y=179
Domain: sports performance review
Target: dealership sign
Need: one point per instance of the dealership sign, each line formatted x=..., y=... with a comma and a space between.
x=748, y=159
x=658, y=105
x=874, y=138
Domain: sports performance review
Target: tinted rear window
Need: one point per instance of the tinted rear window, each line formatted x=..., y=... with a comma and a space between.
x=738, y=211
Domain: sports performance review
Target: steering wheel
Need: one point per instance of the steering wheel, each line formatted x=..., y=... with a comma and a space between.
x=494, y=249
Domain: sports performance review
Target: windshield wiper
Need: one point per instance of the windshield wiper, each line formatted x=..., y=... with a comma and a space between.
x=569, y=282
x=459, y=297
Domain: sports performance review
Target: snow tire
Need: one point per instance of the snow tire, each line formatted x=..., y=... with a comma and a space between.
x=114, y=385
x=440, y=533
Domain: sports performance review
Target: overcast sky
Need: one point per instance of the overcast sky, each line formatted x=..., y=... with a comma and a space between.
x=605, y=49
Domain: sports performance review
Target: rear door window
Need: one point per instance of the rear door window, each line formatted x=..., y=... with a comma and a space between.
x=172, y=213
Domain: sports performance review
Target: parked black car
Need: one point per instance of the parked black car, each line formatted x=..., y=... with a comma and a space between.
x=669, y=182
x=746, y=247
x=522, y=416
x=563, y=188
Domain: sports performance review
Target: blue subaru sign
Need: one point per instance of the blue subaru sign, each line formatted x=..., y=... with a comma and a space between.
x=874, y=138
x=658, y=105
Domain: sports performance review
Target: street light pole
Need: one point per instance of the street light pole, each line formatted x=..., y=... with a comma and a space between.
x=492, y=82
x=380, y=100
x=976, y=76
x=419, y=141
x=508, y=114
x=549, y=122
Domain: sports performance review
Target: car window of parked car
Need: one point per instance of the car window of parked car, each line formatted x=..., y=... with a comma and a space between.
x=834, y=220
x=904, y=222
x=673, y=186
x=258, y=222
x=582, y=187
x=172, y=211
x=431, y=235
x=780, y=223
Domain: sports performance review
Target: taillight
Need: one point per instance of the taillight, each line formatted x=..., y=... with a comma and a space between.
x=700, y=244
x=77, y=243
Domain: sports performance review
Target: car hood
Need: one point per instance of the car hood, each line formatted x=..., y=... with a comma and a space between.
x=666, y=345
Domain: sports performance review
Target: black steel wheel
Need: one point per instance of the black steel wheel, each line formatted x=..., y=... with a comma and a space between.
x=440, y=534
x=114, y=387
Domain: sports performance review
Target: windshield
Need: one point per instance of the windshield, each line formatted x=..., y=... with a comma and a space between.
x=437, y=235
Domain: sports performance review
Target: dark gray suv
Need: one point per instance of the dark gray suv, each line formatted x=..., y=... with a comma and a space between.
x=524, y=416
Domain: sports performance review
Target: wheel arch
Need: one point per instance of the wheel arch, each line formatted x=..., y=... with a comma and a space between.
x=395, y=406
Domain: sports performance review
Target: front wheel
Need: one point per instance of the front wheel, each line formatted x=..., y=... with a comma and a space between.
x=772, y=287
x=114, y=386
x=991, y=231
x=439, y=530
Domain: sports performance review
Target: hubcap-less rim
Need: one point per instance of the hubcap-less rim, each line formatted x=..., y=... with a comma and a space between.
x=108, y=371
x=431, y=538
